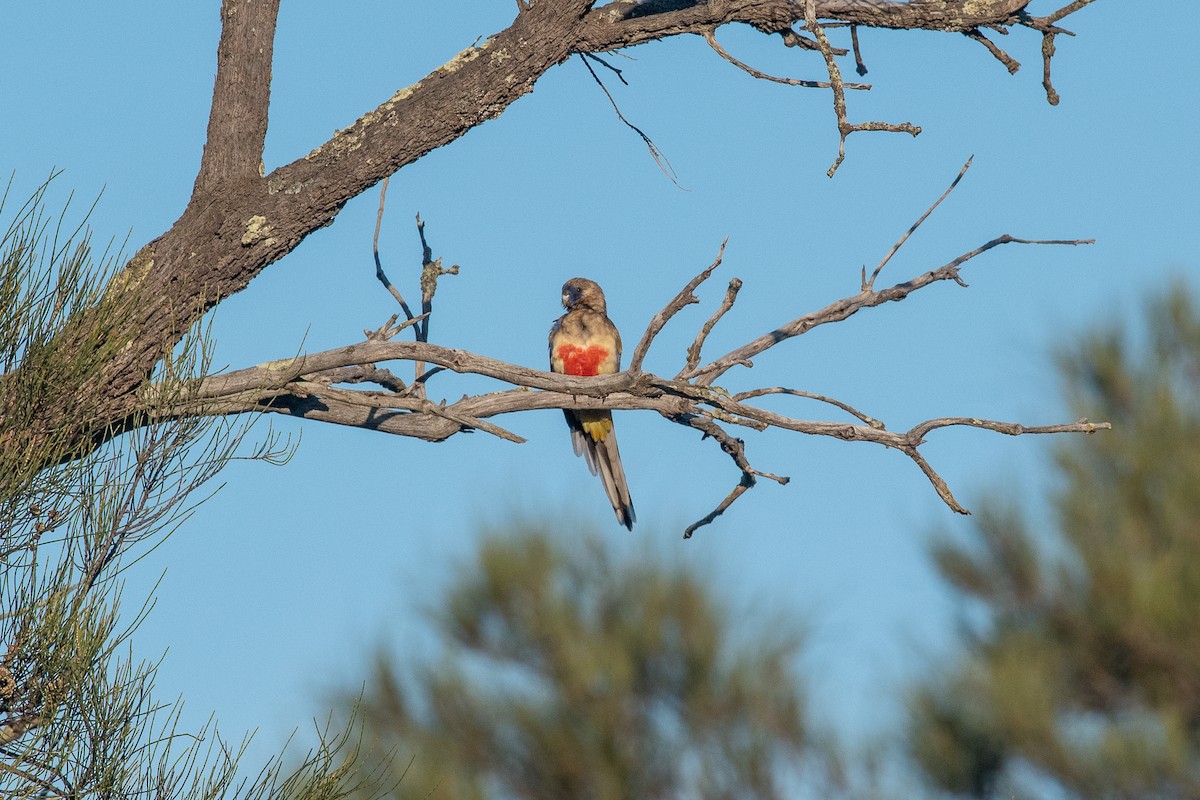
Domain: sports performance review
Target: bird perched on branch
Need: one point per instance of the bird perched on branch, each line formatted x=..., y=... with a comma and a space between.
x=585, y=342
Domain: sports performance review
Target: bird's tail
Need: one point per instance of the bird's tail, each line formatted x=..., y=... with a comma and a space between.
x=596, y=441
x=608, y=460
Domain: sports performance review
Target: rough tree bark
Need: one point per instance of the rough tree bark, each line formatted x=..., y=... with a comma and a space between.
x=238, y=222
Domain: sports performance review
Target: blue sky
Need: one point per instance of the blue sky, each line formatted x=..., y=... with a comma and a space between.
x=277, y=589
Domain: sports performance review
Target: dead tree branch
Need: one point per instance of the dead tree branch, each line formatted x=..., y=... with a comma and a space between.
x=845, y=127
x=380, y=275
x=660, y=158
x=685, y=297
x=431, y=270
x=1010, y=63
x=304, y=386
x=238, y=221
x=710, y=37
x=693, y=352
x=870, y=284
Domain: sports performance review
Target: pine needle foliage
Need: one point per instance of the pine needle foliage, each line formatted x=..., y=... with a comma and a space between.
x=78, y=715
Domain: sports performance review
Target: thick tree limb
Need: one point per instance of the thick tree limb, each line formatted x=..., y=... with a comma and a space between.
x=237, y=124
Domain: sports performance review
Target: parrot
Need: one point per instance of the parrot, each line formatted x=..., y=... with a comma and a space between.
x=584, y=341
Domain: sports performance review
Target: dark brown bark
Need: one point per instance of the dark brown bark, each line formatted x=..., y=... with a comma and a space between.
x=237, y=125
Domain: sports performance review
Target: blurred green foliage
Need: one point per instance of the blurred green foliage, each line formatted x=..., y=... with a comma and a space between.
x=570, y=673
x=1085, y=681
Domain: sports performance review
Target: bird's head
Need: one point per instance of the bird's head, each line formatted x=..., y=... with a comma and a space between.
x=582, y=293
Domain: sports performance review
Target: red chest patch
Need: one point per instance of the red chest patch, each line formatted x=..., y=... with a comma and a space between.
x=582, y=360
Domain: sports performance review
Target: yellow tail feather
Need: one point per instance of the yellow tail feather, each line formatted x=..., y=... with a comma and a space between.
x=597, y=429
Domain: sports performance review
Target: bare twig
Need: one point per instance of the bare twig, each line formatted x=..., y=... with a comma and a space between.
x=791, y=38
x=869, y=284
x=859, y=66
x=710, y=37
x=747, y=482
x=468, y=422
x=379, y=273
x=659, y=157
x=426, y=250
x=874, y=423
x=431, y=270
x=1050, y=30
x=845, y=127
x=390, y=328
x=1010, y=63
x=693, y=352
x=1007, y=239
x=848, y=306
x=684, y=298
x=918, y=432
x=619, y=73
x=736, y=449
x=1047, y=54
x=939, y=484
x=1070, y=8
